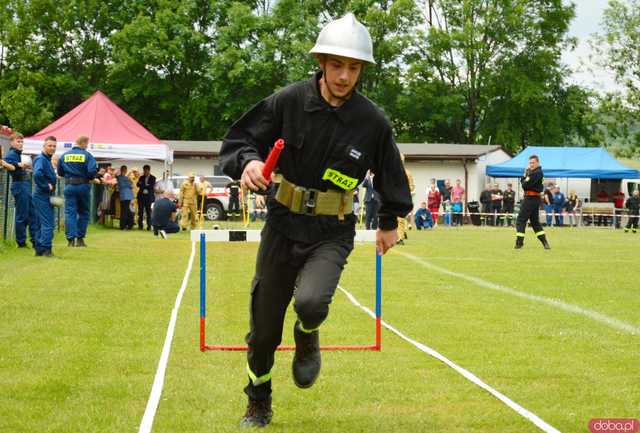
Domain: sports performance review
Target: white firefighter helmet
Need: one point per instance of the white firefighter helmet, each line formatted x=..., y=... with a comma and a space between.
x=345, y=37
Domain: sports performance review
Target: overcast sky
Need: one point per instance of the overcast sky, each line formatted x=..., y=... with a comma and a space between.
x=586, y=23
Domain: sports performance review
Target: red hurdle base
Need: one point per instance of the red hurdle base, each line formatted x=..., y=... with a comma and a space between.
x=222, y=347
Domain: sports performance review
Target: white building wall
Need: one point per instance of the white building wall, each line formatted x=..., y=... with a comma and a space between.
x=181, y=166
x=424, y=171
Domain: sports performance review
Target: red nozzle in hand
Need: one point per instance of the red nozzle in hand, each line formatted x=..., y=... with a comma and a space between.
x=272, y=159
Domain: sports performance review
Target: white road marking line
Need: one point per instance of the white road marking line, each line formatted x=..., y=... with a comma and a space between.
x=557, y=303
x=158, y=381
x=535, y=419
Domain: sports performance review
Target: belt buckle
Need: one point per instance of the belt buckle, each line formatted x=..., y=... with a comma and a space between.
x=309, y=201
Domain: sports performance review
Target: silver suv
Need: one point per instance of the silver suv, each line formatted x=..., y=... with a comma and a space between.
x=217, y=201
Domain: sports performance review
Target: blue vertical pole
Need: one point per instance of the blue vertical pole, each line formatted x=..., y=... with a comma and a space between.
x=378, y=300
x=203, y=287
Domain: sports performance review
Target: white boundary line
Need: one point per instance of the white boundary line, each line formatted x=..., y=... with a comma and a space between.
x=556, y=303
x=158, y=381
x=535, y=419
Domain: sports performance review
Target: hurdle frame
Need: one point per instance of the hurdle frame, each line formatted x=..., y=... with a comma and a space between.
x=377, y=346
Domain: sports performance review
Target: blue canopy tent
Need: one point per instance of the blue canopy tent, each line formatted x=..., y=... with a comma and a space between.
x=566, y=162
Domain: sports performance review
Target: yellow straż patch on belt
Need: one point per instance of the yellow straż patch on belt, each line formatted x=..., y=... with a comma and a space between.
x=341, y=180
x=74, y=157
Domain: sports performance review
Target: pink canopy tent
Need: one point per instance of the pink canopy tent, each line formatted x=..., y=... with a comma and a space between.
x=112, y=132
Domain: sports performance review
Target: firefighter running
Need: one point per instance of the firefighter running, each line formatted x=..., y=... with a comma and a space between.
x=333, y=135
x=532, y=183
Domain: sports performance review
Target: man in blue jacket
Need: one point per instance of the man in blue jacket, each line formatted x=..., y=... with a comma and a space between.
x=78, y=167
x=44, y=177
x=21, y=190
x=424, y=219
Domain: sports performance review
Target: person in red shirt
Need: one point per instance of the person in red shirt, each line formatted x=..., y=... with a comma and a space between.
x=618, y=202
x=434, y=198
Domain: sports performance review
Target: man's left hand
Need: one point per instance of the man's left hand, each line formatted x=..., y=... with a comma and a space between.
x=385, y=240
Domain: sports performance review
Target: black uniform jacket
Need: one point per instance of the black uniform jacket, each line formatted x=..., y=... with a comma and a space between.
x=533, y=181
x=320, y=140
x=633, y=204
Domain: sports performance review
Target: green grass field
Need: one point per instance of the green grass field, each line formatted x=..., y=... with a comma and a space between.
x=82, y=333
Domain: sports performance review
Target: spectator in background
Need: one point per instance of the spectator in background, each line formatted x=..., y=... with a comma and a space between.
x=457, y=200
x=602, y=197
x=146, y=184
x=434, y=198
x=125, y=190
x=485, y=204
x=618, y=203
x=424, y=219
x=356, y=202
x=508, y=203
x=559, y=202
x=633, y=204
x=259, y=208
x=371, y=203
x=163, y=217
x=496, y=204
x=573, y=203
x=445, y=192
x=162, y=185
x=548, y=202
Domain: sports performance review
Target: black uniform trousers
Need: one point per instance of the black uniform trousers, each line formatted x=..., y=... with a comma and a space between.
x=371, y=214
x=284, y=269
x=508, y=209
x=529, y=211
x=633, y=220
x=234, y=205
x=144, y=207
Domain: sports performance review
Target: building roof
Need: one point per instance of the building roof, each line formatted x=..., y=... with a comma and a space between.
x=194, y=148
x=411, y=150
x=445, y=150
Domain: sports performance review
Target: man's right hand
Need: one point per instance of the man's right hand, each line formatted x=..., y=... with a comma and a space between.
x=252, y=177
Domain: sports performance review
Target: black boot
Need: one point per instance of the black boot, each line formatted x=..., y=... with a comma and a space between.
x=80, y=242
x=47, y=253
x=39, y=252
x=306, y=361
x=71, y=242
x=519, y=242
x=258, y=413
x=545, y=244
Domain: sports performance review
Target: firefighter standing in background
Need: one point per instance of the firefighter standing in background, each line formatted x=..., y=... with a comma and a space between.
x=532, y=183
x=402, y=221
x=333, y=135
x=79, y=168
x=633, y=204
x=234, y=198
x=18, y=168
x=188, y=197
x=508, y=203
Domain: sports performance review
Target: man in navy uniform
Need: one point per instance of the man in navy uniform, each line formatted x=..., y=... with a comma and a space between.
x=79, y=168
x=532, y=183
x=146, y=196
x=21, y=191
x=333, y=135
x=44, y=177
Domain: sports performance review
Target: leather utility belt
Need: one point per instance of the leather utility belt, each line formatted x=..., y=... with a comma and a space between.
x=75, y=180
x=532, y=193
x=308, y=201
